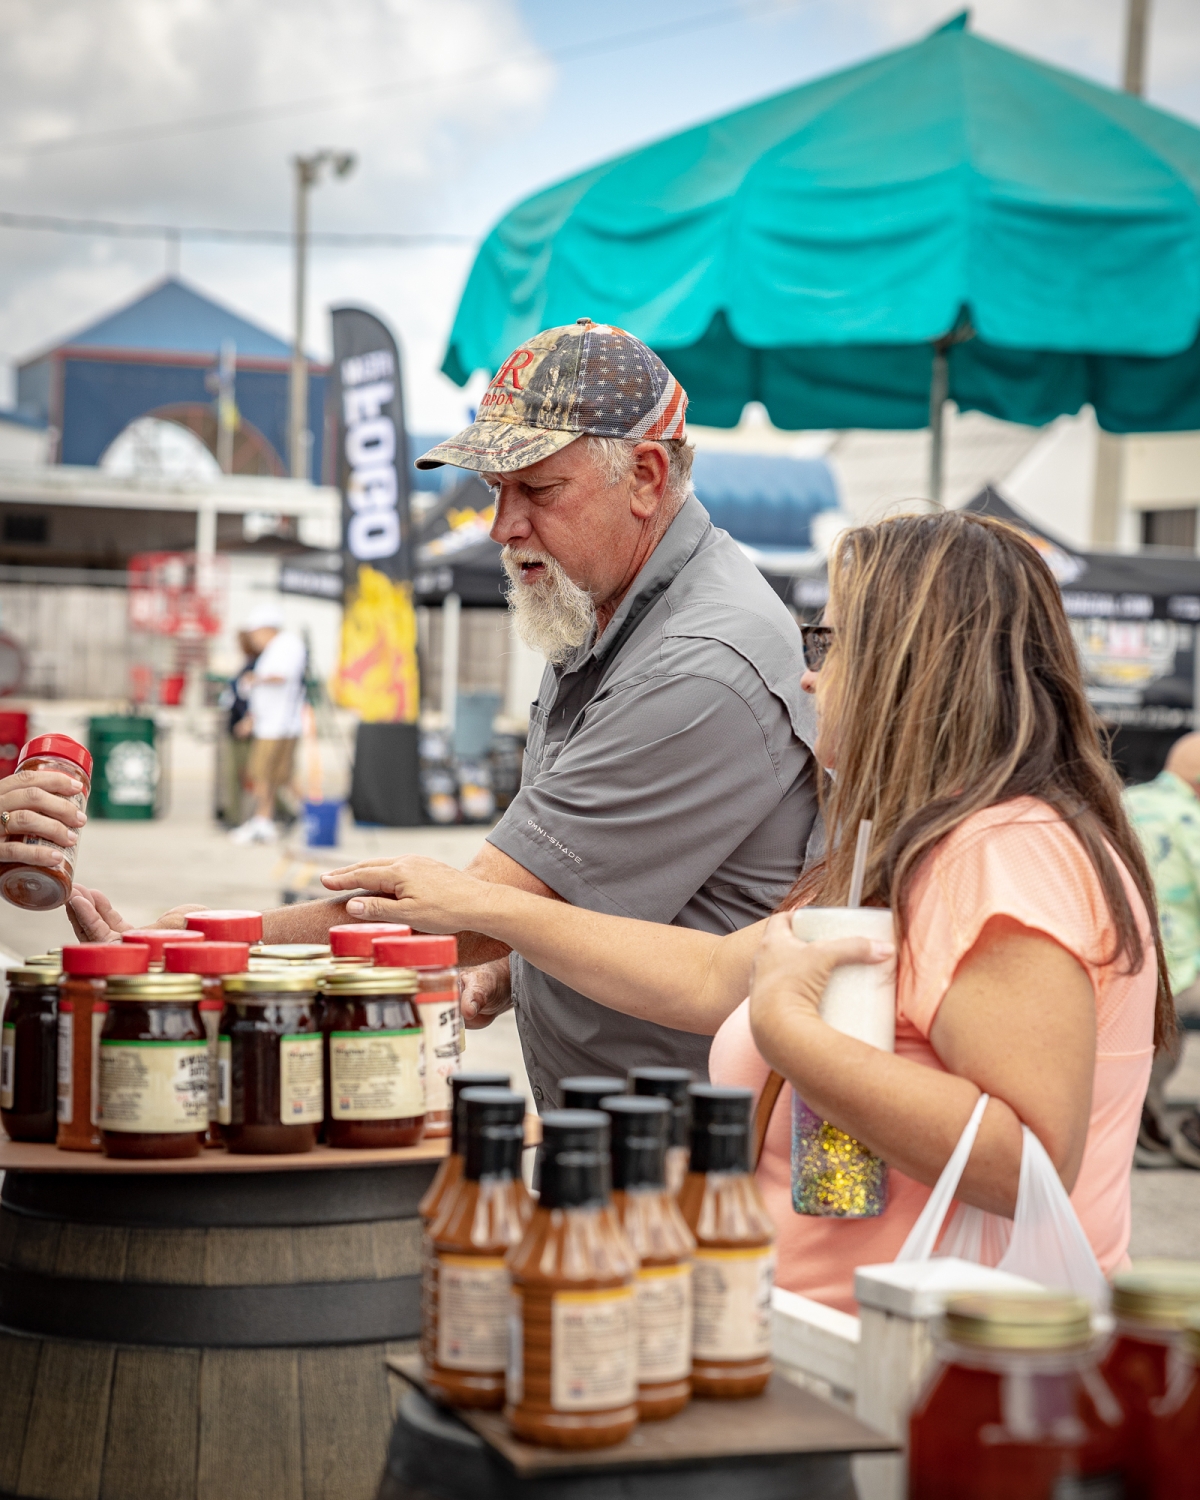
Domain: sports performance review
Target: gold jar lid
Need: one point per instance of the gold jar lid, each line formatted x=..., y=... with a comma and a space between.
x=291, y=953
x=1018, y=1320
x=287, y=979
x=369, y=980
x=157, y=986
x=51, y=959
x=1157, y=1293
x=33, y=976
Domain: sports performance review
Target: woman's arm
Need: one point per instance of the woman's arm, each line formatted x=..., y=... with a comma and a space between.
x=673, y=976
x=1018, y=1023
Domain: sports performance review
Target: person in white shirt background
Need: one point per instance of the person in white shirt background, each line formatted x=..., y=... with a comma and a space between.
x=275, y=688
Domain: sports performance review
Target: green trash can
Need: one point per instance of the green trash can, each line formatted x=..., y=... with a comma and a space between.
x=125, y=770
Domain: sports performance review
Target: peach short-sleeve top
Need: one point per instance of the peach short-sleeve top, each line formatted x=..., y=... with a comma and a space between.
x=1020, y=860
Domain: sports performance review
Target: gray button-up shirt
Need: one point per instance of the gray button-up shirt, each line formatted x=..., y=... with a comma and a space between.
x=667, y=777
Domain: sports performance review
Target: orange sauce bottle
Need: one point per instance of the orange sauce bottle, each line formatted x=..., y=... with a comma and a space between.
x=450, y=1168
x=464, y=1322
x=587, y=1092
x=650, y=1216
x=672, y=1084
x=734, y=1264
x=572, y=1374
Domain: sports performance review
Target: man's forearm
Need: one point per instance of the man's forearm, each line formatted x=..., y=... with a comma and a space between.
x=310, y=921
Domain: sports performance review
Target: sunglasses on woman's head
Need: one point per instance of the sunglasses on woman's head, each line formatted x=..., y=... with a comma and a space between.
x=815, y=641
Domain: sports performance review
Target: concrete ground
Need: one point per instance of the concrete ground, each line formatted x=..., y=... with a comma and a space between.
x=146, y=867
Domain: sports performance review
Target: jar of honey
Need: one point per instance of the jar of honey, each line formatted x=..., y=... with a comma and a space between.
x=672, y=1084
x=28, y=1055
x=650, y=1216
x=212, y=961
x=435, y=960
x=465, y=1312
x=42, y=887
x=449, y=1170
x=270, y=1066
x=1151, y=1303
x=374, y=1058
x=733, y=1270
x=153, y=1067
x=157, y=938
x=82, y=1008
x=353, y=940
x=1015, y=1405
x=227, y=926
x=1170, y=1462
x=572, y=1374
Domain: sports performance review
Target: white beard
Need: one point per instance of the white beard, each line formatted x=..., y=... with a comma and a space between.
x=553, y=616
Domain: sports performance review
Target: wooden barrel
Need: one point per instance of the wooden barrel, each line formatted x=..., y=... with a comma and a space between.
x=204, y=1336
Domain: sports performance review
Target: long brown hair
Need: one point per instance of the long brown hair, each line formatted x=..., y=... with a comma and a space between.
x=954, y=683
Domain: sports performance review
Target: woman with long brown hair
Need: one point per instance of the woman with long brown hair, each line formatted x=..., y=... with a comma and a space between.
x=952, y=715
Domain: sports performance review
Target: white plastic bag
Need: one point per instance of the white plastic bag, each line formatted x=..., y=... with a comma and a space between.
x=1044, y=1240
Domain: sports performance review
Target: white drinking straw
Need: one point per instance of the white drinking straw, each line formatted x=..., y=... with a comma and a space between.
x=859, y=873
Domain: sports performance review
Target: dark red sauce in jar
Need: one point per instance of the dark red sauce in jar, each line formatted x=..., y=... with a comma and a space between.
x=39, y=887
x=211, y=961
x=270, y=1069
x=153, y=1067
x=374, y=1058
x=29, y=1055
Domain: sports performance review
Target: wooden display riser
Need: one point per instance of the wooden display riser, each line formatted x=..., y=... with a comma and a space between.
x=23, y=1156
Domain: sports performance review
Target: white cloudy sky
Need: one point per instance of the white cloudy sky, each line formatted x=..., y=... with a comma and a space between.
x=456, y=108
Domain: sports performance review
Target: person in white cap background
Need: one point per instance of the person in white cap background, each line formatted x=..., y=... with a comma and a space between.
x=275, y=688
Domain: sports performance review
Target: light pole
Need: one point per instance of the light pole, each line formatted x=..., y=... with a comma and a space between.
x=1136, y=19
x=308, y=174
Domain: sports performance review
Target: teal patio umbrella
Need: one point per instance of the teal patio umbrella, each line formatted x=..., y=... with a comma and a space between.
x=952, y=219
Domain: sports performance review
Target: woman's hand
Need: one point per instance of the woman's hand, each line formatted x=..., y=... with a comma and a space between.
x=425, y=893
x=790, y=977
x=36, y=802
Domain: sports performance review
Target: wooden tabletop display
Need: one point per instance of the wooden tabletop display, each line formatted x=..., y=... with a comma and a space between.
x=25, y=1156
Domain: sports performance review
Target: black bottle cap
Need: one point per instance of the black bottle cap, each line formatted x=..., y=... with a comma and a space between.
x=460, y=1081
x=672, y=1084
x=576, y=1171
x=495, y=1131
x=586, y=1093
x=640, y=1129
x=720, y=1128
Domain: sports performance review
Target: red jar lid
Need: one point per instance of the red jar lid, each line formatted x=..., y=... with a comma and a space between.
x=205, y=958
x=228, y=926
x=61, y=745
x=156, y=939
x=421, y=951
x=355, y=938
x=96, y=959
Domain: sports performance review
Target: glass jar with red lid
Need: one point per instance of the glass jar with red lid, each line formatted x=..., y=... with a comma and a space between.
x=1170, y=1460
x=157, y=938
x=211, y=961
x=227, y=926
x=271, y=1062
x=28, y=1054
x=353, y=940
x=438, y=1004
x=374, y=1057
x=153, y=1067
x=1016, y=1405
x=82, y=1008
x=41, y=887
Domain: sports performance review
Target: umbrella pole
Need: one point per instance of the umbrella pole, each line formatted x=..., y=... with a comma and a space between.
x=939, y=390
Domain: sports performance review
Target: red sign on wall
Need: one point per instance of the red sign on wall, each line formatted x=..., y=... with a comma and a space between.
x=177, y=593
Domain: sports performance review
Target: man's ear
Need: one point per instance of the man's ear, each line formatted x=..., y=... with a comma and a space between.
x=651, y=469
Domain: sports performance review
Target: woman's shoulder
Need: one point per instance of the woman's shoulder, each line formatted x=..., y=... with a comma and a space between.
x=1013, y=831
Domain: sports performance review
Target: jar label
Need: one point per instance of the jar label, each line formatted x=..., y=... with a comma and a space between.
x=211, y=1020
x=593, y=1350
x=301, y=1086
x=377, y=1075
x=66, y=1064
x=472, y=1313
x=158, y=1087
x=99, y=1013
x=8, y=1063
x=514, y=1374
x=664, y=1323
x=731, y=1290
x=224, y=1082
x=445, y=1042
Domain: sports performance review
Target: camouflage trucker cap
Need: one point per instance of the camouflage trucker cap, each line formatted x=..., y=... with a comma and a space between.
x=584, y=378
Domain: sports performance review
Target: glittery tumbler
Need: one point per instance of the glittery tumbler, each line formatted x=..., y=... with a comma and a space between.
x=833, y=1175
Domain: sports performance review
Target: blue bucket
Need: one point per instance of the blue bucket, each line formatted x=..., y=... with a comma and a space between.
x=321, y=824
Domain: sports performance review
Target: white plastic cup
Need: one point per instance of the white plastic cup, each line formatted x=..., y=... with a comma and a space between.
x=860, y=999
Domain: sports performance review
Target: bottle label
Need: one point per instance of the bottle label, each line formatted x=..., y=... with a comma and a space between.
x=664, y=1323
x=377, y=1075
x=445, y=1042
x=224, y=1081
x=212, y=1032
x=8, y=1063
x=301, y=1086
x=99, y=1014
x=514, y=1374
x=158, y=1087
x=66, y=1064
x=731, y=1291
x=593, y=1350
x=472, y=1313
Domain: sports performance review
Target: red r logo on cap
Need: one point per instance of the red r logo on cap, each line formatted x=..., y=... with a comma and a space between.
x=514, y=362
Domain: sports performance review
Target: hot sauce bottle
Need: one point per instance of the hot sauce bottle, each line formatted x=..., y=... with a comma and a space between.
x=464, y=1324
x=212, y=961
x=28, y=1055
x=353, y=940
x=374, y=1058
x=572, y=1375
x=650, y=1216
x=449, y=1171
x=672, y=1084
x=1175, y=1474
x=153, y=1067
x=82, y=1008
x=436, y=961
x=1016, y=1406
x=734, y=1264
x=1151, y=1303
